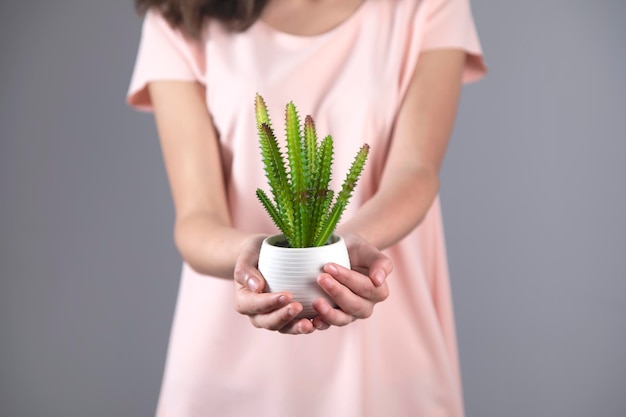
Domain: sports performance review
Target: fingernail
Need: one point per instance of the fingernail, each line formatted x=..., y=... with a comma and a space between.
x=379, y=278
x=323, y=309
x=303, y=330
x=332, y=269
x=282, y=299
x=253, y=284
x=326, y=283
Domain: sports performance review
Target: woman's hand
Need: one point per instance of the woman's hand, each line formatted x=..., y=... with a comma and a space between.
x=272, y=311
x=355, y=291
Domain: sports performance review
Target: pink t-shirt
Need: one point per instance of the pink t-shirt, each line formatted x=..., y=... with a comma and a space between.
x=403, y=360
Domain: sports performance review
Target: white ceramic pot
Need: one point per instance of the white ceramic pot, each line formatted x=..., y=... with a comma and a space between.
x=296, y=269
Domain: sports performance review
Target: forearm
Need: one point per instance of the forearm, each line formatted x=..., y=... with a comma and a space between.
x=396, y=209
x=410, y=181
x=208, y=246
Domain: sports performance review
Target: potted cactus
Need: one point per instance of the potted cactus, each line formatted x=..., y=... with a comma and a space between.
x=303, y=207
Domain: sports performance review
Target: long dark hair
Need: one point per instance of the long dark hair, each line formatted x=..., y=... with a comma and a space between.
x=189, y=15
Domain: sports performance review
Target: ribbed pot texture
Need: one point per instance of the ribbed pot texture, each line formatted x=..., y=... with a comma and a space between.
x=296, y=269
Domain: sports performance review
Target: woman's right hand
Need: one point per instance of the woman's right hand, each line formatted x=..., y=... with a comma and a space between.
x=271, y=311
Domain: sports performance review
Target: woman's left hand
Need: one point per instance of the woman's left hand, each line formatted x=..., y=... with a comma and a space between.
x=355, y=291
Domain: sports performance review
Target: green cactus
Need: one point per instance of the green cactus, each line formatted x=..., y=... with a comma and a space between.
x=302, y=206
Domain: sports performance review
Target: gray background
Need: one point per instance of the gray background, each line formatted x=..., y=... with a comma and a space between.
x=533, y=193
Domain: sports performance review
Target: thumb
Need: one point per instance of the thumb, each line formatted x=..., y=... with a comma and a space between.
x=246, y=273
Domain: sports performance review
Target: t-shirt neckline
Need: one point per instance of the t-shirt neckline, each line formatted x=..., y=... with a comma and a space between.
x=294, y=38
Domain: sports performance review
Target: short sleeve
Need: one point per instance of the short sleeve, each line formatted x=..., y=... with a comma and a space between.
x=450, y=24
x=164, y=54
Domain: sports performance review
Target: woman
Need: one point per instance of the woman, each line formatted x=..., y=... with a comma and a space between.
x=384, y=72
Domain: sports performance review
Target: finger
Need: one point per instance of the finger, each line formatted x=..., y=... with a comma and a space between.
x=379, y=270
x=249, y=278
x=246, y=273
x=284, y=320
x=300, y=326
x=349, y=302
x=277, y=319
x=368, y=257
x=329, y=316
x=251, y=303
x=319, y=323
x=358, y=283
